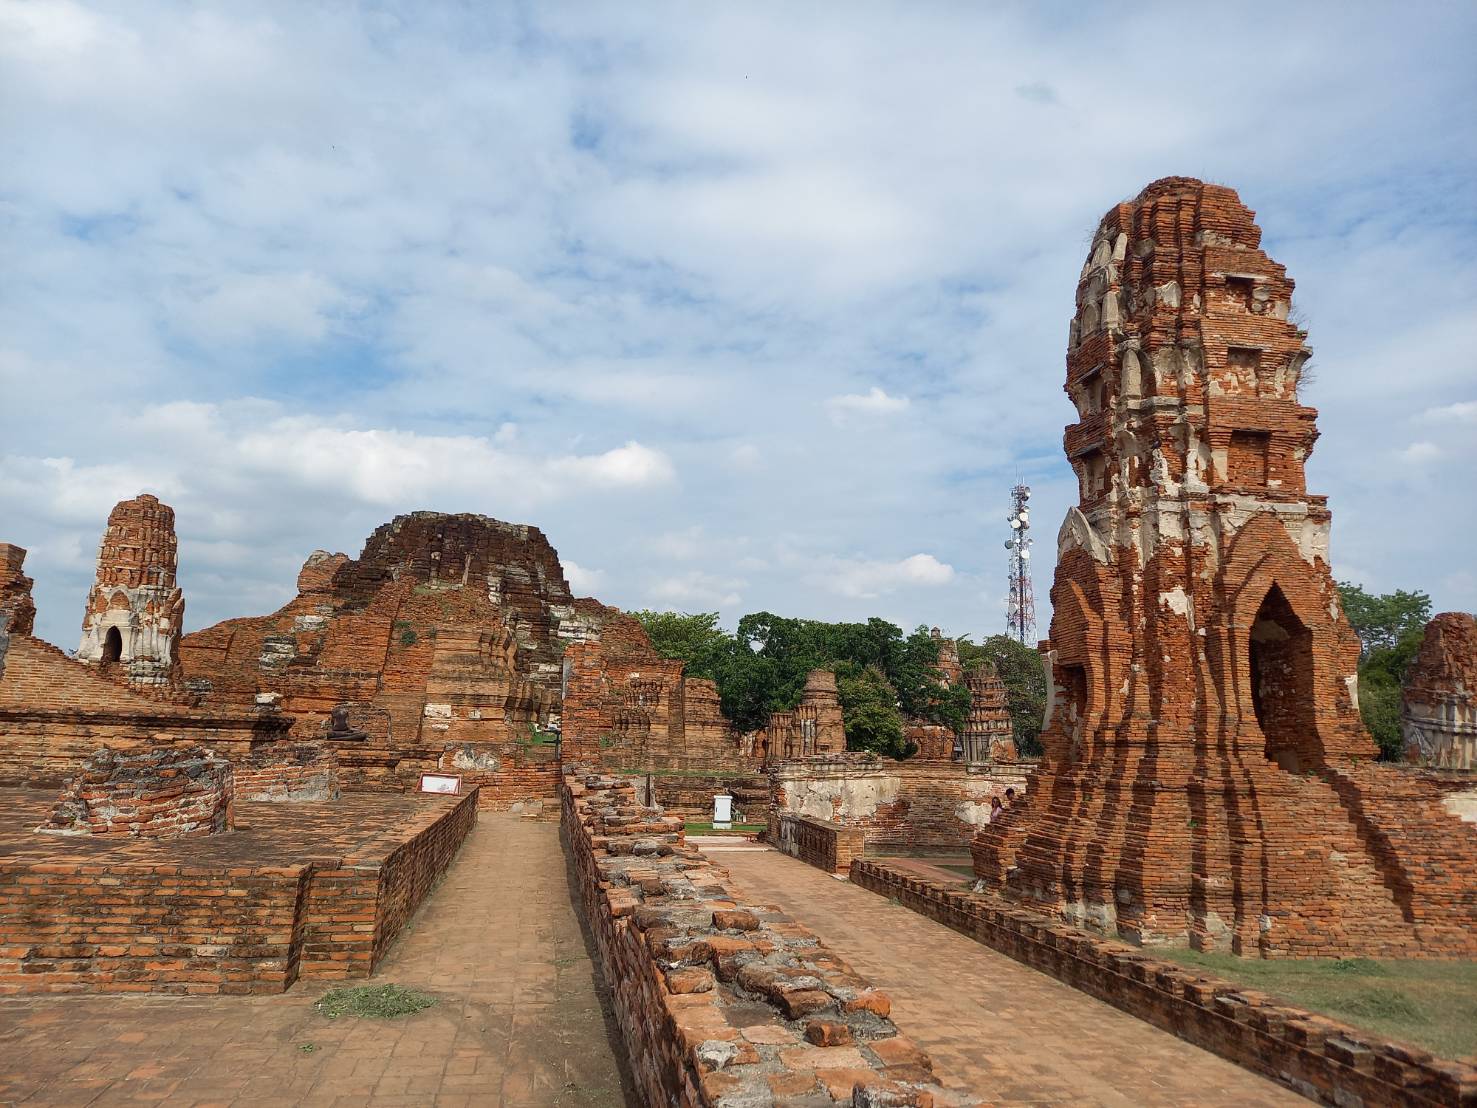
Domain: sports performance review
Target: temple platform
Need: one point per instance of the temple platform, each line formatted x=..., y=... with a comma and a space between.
x=295, y=891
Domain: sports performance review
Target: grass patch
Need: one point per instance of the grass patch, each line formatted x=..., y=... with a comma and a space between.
x=737, y=828
x=1430, y=1003
x=381, y=1002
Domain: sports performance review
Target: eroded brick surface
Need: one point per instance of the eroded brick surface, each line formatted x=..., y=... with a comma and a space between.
x=164, y=793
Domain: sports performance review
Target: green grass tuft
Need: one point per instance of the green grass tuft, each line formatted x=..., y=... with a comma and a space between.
x=1379, y=1003
x=382, y=1002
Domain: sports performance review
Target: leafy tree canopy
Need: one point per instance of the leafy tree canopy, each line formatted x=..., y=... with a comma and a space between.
x=869, y=708
x=761, y=668
x=1390, y=628
x=1383, y=621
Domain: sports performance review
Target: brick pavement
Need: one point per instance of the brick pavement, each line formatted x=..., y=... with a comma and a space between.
x=993, y=1026
x=519, y=1020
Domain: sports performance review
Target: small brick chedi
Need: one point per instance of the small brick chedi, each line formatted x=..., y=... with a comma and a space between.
x=989, y=731
x=135, y=609
x=1439, y=714
x=165, y=793
x=1207, y=777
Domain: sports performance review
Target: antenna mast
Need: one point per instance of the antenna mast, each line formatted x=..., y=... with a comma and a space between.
x=1021, y=617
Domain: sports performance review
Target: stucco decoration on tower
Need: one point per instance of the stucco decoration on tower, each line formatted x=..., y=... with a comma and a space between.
x=135, y=609
x=1203, y=710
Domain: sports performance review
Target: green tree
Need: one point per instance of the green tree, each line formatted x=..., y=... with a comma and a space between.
x=1390, y=628
x=869, y=708
x=1383, y=621
x=692, y=637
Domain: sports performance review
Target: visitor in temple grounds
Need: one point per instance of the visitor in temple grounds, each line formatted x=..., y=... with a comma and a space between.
x=995, y=808
x=1009, y=797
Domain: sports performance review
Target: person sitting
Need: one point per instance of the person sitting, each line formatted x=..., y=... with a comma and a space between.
x=996, y=808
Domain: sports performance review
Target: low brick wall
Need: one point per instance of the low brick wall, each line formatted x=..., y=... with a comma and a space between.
x=1318, y=1057
x=133, y=922
x=908, y=806
x=720, y=1001
x=355, y=911
x=288, y=772
x=831, y=846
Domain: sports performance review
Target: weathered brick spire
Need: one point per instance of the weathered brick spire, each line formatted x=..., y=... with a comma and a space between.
x=135, y=609
x=1203, y=717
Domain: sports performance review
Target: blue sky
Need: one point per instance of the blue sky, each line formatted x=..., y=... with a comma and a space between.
x=756, y=306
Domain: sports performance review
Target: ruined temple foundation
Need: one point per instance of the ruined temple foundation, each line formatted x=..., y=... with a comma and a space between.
x=1207, y=778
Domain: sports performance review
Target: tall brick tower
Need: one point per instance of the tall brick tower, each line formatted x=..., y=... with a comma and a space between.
x=135, y=609
x=1206, y=773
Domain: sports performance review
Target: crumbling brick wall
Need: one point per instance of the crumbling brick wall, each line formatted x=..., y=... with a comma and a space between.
x=722, y=1001
x=55, y=713
x=907, y=806
x=288, y=772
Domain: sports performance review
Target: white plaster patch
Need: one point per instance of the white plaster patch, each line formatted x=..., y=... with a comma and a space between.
x=438, y=711
x=1176, y=601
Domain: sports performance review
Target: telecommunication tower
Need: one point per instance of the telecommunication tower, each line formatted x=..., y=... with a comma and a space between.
x=1021, y=617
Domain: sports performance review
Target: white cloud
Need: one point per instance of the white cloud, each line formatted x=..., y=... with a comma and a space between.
x=1419, y=453
x=867, y=579
x=874, y=403
x=1463, y=411
x=582, y=581
x=246, y=306
x=696, y=590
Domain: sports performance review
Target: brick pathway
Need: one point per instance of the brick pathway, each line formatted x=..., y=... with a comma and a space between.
x=995, y=1027
x=518, y=1021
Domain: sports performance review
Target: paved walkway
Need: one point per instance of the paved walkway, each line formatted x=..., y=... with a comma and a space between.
x=995, y=1027
x=518, y=1019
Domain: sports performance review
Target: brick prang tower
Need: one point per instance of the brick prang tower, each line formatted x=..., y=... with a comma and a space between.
x=135, y=609
x=1206, y=775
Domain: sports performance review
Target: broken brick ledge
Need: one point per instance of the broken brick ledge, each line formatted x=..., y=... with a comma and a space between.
x=1314, y=1055
x=722, y=1002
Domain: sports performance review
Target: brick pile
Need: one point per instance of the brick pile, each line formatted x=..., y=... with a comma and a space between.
x=135, y=609
x=288, y=772
x=1321, y=1058
x=1439, y=709
x=164, y=793
x=311, y=891
x=1205, y=767
x=723, y=1002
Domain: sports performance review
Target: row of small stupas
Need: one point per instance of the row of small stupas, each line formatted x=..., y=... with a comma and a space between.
x=452, y=642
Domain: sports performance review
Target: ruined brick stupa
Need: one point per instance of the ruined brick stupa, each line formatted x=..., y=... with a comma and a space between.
x=135, y=609
x=1207, y=775
x=1439, y=709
